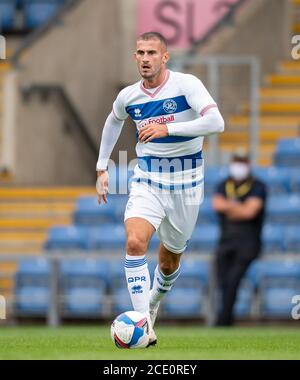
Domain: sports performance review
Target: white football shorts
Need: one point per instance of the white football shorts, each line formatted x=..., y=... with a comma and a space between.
x=172, y=213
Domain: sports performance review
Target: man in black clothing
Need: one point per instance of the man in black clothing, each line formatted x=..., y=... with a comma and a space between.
x=240, y=203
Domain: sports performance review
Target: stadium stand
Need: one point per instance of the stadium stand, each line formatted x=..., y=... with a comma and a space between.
x=33, y=14
x=288, y=153
x=83, y=287
x=278, y=282
x=284, y=209
x=32, y=287
x=68, y=220
x=204, y=238
x=292, y=239
x=189, y=295
x=26, y=214
x=279, y=111
x=38, y=12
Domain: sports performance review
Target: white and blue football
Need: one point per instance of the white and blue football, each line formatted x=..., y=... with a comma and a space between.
x=130, y=330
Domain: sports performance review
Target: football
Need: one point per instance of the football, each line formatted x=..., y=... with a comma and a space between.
x=130, y=330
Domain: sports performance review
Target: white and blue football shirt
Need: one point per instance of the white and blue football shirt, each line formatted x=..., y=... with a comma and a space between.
x=173, y=160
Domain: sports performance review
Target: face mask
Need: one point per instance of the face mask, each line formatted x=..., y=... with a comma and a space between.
x=239, y=171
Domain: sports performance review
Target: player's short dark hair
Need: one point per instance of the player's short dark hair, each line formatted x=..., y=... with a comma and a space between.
x=153, y=36
x=241, y=156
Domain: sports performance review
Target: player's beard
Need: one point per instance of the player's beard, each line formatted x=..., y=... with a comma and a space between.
x=150, y=76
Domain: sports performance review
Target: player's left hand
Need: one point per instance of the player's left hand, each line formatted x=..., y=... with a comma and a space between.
x=153, y=131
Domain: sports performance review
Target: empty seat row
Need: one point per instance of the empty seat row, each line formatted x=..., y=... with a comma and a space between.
x=84, y=289
x=279, y=209
x=85, y=286
x=278, y=180
x=276, y=238
x=287, y=153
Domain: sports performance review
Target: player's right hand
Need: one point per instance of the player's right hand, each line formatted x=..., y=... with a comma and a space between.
x=102, y=185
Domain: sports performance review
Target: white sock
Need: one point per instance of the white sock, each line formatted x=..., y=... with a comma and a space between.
x=138, y=282
x=162, y=284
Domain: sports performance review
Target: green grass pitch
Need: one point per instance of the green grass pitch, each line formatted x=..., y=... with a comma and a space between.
x=181, y=342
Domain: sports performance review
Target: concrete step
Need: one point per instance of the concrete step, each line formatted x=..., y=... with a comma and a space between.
x=280, y=94
x=264, y=136
x=286, y=66
x=31, y=210
x=51, y=193
x=296, y=28
x=283, y=80
x=7, y=284
x=276, y=108
x=266, y=121
x=21, y=248
x=5, y=66
x=8, y=267
x=32, y=224
x=22, y=236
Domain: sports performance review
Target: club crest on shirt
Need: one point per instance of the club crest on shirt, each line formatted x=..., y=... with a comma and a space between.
x=170, y=106
x=137, y=112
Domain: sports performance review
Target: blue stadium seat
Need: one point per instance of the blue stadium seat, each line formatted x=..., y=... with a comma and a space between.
x=292, y=238
x=277, y=301
x=120, y=202
x=7, y=12
x=287, y=152
x=38, y=12
x=32, y=288
x=273, y=238
x=278, y=269
x=89, y=271
x=212, y=177
x=189, y=294
x=38, y=266
x=184, y=302
x=32, y=301
x=67, y=237
x=252, y=273
x=108, y=236
x=283, y=209
x=277, y=179
x=195, y=273
x=121, y=300
x=204, y=238
x=244, y=301
x=207, y=213
x=117, y=274
x=84, y=284
x=83, y=302
x=295, y=179
x=278, y=282
x=89, y=212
